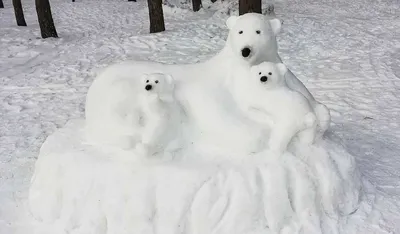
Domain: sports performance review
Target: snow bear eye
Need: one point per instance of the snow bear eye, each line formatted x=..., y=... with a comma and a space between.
x=156, y=81
x=259, y=73
x=258, y=31
x=147, y=81
x=270, y=73
x=240, y=32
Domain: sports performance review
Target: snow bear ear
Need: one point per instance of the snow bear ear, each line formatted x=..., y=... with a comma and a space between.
x=276, y=25
x=282, y=68
x=169, y=79
x=231, y=21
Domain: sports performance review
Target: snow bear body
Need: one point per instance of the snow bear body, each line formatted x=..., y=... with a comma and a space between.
x=264, y=95
x=141, y=112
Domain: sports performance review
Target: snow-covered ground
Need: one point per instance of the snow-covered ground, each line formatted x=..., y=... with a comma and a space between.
x=346, y=52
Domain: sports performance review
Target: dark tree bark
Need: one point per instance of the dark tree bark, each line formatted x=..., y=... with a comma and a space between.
x=1, y=4
x=196, y=5
x=156, y=16
x=46, y=23
x=19, y=13
x=247, y=6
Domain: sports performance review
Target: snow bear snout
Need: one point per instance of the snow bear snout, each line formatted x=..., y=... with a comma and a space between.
x=148, y=87
x=246, y=52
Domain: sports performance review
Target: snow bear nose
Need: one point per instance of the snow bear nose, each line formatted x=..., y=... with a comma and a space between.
x=246, y=52
x=148, y=87
x=263, y=79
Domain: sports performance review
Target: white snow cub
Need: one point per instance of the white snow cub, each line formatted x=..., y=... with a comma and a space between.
x=162, y=115
x=138, y=112
x=289, y=111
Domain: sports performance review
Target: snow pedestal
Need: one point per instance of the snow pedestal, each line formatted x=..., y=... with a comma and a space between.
x=80, y=188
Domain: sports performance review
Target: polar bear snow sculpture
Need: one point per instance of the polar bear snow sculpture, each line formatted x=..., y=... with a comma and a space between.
x=289, y=111
x=83, y=188
x=141, y=112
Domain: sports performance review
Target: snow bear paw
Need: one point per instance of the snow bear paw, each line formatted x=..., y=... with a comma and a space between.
x=324, y=117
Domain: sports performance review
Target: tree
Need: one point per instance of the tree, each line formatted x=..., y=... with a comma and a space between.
x=196, y=5
x=1, y=4
x=246, y=6
x=46, y=23
x=156, y=16
x=19, y=13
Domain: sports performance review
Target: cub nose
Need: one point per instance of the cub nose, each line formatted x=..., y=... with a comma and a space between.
x=246, y=52
x=148, y=87
x=263, y=79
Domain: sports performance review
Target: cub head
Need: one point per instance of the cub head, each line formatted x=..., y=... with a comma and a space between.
x=269, y=75
x=252, y=37
x=158, y=83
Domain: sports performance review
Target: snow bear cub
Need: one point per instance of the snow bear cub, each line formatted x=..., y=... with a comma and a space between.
x=162, y=115
x=140, y=112
x=289, y=111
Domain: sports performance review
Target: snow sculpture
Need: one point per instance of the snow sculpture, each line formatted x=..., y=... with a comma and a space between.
x=162, y=115
x=136, y=112
x=264, y=93
x=223, y=183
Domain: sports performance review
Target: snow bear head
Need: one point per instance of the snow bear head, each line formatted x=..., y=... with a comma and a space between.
x=252, y=37
x=158, y=83
x=269, y=75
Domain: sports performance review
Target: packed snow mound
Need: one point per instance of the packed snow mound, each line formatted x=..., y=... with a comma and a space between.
x=82, y=188
x=224, y=173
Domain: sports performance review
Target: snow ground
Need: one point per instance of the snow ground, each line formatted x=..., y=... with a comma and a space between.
x=346, y=52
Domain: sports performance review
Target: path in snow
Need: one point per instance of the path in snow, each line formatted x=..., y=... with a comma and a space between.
x=348, y=54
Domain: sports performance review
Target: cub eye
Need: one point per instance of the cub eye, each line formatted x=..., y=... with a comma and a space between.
x=240, y=32
x=270, y=73
x=259, y=73
x=258, y=31
x=156, y=81
x=147, y=81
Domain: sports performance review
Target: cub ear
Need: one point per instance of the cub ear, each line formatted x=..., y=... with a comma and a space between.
x=231, y=21
x=282, y=68
x=169, y=79
x=144, y=78
x=276, y=25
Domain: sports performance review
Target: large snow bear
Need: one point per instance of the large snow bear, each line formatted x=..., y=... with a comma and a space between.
x=141, y=112
x=289, y=111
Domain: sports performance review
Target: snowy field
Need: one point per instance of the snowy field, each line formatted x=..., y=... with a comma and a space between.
x=346, y=52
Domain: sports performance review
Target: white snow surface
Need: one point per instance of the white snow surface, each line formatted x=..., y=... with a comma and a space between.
x=347, y=54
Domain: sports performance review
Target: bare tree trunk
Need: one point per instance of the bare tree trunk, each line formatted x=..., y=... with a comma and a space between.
x=246, y=6
x=156, y=16
x=196, y=5
x=1, y=4
x=46, y=23
x=19, y=13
